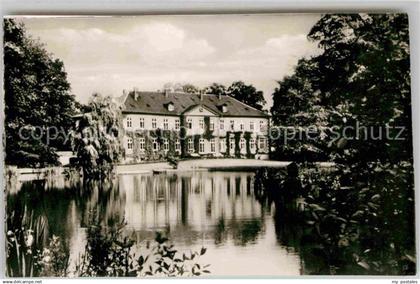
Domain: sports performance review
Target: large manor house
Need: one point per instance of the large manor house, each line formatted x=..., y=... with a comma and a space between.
x=163, y=124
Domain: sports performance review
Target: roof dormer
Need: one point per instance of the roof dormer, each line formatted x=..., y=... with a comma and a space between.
x=223, y=108
x=170, y=106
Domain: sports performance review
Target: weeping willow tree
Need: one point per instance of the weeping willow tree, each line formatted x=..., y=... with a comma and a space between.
x=96, y=138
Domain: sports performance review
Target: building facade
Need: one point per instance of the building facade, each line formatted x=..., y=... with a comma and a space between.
x=162, y=124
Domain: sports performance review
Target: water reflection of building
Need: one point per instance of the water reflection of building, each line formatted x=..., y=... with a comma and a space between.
x=191, y=205
x=218, y=210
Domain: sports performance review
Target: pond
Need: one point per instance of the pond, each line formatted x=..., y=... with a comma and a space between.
x=244, y=234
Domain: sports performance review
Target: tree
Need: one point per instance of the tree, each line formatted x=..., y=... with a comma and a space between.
x=296, y=107
x=365, y=78
x=190, y=89
x=37, y=100
x=362, y=77
x=215, y=89
x=179, y=87
x=97, y=137
x=247, y=94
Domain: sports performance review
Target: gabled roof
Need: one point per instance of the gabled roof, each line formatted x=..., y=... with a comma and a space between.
x=155, y=103
x=199, y=105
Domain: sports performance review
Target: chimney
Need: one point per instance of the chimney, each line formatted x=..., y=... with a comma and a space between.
x=220, y=96
x=124, y=92
x=136, y=93
x=201, y=95
x=166, y=93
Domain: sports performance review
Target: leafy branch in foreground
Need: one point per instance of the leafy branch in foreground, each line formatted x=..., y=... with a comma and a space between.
x=352, y=222
x=355, y=224
x=167, y=261
x=108, y=253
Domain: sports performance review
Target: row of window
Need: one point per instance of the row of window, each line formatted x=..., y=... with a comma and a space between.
x=242, y=144
x=222, y=124
x=200, y=124
x=129, y=124
x=190, y=144
x=155, y=144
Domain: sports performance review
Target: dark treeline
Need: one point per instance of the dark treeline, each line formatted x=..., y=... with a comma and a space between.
x=37, y=97
x=362, y=212
x=361, y=76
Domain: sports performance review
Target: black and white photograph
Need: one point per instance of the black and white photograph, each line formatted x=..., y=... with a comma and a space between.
x=208, y=146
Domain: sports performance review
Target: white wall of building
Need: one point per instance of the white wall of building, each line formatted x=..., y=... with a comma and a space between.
x=258, y=127
x=132, y=122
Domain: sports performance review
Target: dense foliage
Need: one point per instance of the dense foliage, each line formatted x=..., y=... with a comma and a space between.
x=247, y=94
x=362, y=77
x=97, y=137
x=300, y=117
x=215, y=89
x=347, y=228
x=190, y=89
x=356, y=95
x=38, y=103
x=109, y=253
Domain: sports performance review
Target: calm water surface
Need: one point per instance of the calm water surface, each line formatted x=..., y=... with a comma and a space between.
x=218, y=210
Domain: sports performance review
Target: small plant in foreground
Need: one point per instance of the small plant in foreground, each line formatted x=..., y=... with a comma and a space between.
x=109, y=253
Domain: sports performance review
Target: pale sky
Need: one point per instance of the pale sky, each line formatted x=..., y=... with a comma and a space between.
x=110, y=54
